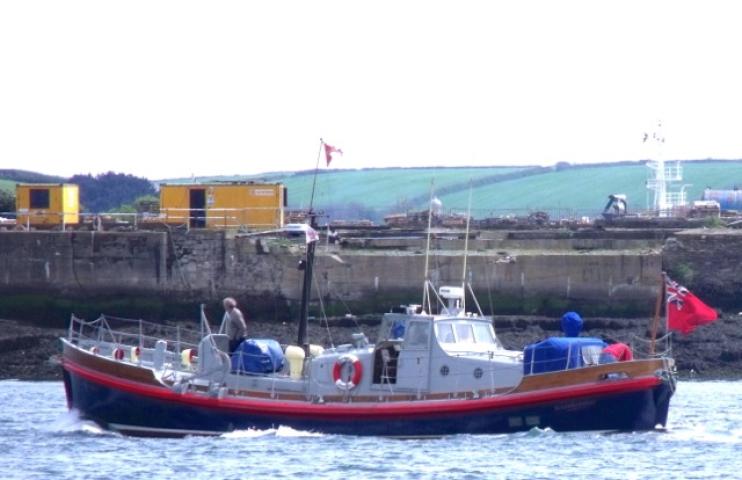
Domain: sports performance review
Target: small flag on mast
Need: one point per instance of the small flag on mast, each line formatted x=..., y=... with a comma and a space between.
x=311, y=235
x=329, y=150
x=685, y=311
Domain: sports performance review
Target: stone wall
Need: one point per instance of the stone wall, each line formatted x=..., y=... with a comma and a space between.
x=88, y=262
x=709, y=263
x=203, y=266
x=612, y=275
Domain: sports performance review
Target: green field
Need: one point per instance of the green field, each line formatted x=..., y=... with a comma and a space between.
x=381, y=188
x=586, y=189
x=7, y=185
x=578, y=190
x=9, y=177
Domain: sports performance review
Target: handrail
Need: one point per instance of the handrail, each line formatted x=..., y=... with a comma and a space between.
x=97, y=330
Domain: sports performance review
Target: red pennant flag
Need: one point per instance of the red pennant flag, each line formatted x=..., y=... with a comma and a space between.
x=329, y=150
x=685, y=311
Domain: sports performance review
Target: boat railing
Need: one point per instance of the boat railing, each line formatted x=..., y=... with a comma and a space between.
x=646, y=348
x=110, y=333
x=490, y=354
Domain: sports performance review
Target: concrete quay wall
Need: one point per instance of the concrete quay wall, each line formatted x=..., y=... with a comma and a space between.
x=523, y=272
x=709, y=263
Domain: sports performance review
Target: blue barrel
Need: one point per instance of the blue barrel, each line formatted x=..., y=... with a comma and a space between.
x=728, y=199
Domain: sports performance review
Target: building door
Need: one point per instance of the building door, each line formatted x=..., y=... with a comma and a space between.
x=197, y=207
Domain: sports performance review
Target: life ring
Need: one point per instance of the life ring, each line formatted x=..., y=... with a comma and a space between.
x=187, y=356
x=352, y=376
x=118, y=354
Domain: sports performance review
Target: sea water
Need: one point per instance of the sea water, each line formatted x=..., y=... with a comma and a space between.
x=41, y=439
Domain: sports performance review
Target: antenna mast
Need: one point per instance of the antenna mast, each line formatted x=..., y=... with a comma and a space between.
x=308, y=265
x=663, y=176
x=466, y=248
x=314, y=180
x=426, y=296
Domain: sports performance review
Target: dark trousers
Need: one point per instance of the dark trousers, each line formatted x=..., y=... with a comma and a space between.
x=233, y=344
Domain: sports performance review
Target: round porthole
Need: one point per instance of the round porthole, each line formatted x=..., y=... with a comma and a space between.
x=478, y=372
x=444, y=370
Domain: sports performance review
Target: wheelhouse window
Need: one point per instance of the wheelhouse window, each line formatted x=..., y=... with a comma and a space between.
x=483, y=333
x=465, y=332
x=445, y=332
x=418, y=334
x=38, y=198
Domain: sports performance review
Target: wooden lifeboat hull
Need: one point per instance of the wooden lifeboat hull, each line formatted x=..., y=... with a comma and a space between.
x=131, y=400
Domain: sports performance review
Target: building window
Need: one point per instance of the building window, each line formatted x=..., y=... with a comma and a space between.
x=39, y=198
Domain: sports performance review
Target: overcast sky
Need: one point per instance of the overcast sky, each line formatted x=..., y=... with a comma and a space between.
x=179, y=88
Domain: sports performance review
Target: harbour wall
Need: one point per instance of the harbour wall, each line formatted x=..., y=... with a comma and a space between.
x=532, y=272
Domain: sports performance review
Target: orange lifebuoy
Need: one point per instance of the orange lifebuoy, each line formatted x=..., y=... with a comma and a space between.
x=347, y=372
x=187, y=356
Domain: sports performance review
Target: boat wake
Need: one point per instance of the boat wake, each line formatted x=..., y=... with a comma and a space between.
x=70, y=423
x=281, y=431
x=537, y=432
x=705, y=434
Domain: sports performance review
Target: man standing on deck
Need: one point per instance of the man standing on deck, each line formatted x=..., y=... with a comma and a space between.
x=236, y=328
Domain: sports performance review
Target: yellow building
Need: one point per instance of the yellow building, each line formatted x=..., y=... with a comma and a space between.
x=42, y=204
x=257, y=206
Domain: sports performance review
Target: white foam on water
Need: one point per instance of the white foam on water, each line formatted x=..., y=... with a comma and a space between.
x=290, y=432
x=281, y=431
x=250, y=433
x=537, y=432
x=700, y=433
x=70, y=422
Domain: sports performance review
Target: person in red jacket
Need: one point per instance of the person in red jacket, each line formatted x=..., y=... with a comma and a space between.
x=619, y=351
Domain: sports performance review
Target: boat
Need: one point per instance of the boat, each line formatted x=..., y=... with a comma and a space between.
x=435, y=369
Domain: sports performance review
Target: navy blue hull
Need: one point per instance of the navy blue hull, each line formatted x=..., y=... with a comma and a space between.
x=139, y=413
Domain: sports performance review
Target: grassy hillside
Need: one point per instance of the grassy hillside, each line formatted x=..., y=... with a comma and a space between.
x=381, y=188
x=579, y=190
x=7, y=185
x=586, y=189
x=9, y=177
x=25, y=176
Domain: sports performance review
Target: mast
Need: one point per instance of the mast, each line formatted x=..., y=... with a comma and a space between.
x=426, y=297
x=665, y=178
x=657, y=310
x=308, y=265
x=306, y=289
x=466, y=249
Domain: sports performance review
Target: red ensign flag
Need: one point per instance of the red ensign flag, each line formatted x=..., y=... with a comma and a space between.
x=685, y=311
